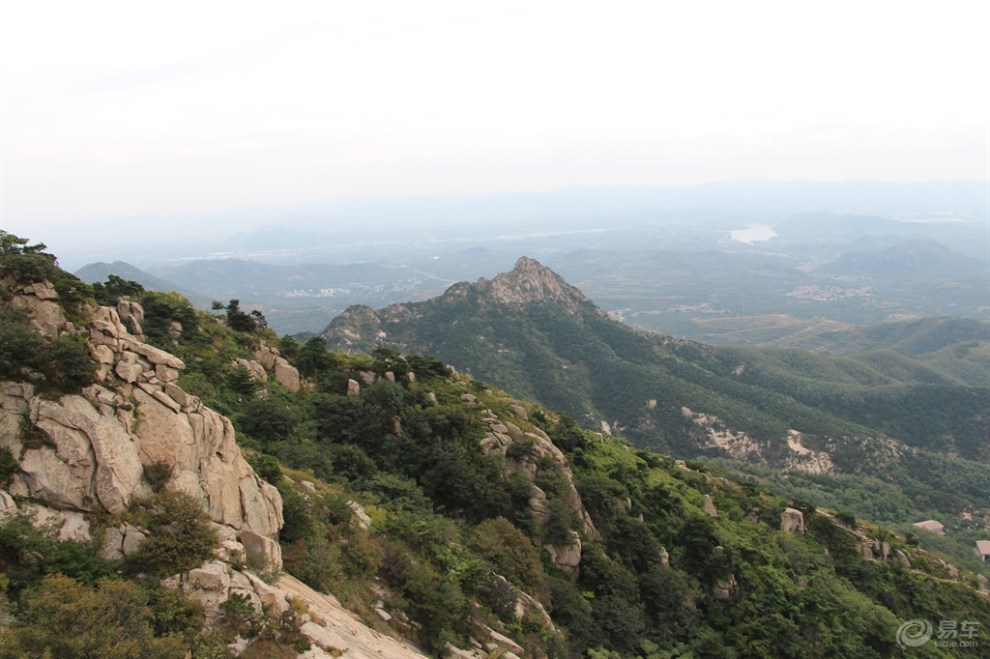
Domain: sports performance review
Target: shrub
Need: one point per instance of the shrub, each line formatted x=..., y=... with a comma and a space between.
x=268, y=419
x=181, y=535
x=559, y=523
x=157, y=475
x=109, y=293
x=73, y=367
x=266, y=466
x=28, y=552
x=21, y=348
x=63, y=618
x=8, y=466
x=511, y=554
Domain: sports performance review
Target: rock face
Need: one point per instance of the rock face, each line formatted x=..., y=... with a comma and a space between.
x=87, y=452
x=38, y=299
x=530, y=453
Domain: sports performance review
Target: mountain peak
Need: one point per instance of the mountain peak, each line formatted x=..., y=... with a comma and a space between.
x=532, y=282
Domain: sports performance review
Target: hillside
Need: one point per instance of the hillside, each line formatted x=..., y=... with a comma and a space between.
x=907, y=259
x=434, y=507
x=881, y=414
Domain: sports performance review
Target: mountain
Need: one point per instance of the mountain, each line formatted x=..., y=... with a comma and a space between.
x=534, y=335
x=150, y=456
x=908, y=258
x=98, y=272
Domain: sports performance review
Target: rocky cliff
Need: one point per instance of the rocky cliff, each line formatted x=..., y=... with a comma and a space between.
x=88, y=452
x=88, y=456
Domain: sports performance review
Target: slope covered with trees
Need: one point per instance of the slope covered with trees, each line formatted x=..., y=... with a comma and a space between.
x=441, y=509
x=908, y=422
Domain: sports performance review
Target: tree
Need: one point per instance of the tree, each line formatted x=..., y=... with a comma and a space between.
x=313, y=358
x=268, y=419
x=115, y=288
x=181, y=535
x=238, y=320
x=63, y=618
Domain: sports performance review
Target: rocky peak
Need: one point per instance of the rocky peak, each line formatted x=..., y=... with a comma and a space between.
x=532, y=282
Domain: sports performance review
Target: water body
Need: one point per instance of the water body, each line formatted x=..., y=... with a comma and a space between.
x=753, y=234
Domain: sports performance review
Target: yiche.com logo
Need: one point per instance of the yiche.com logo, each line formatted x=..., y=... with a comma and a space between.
x=914, y=633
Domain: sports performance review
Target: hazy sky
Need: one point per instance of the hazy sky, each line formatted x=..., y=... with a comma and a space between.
x=116, y=109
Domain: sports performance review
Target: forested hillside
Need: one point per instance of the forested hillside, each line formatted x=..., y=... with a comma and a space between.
x=911, y=424
x=442, y=510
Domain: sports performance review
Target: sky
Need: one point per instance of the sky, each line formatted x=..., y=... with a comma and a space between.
x=111, y=111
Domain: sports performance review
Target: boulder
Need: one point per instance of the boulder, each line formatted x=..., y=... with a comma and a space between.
x=724, y=588
x=129, y=369
x=353, y=388
x=158, y=356
x=132, y=539
x=709, y=506
x=256, y=370
x=45, y=314
x=131, y=315
x=364, y=520
x=286, y=374
x=111, y=549
x=792, y=521
x=209, y=585
x=261, y=550
x=567, y=557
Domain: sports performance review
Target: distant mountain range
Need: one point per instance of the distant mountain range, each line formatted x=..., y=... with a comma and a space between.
x=784, y=292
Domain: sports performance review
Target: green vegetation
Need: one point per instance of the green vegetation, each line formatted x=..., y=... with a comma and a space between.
x=909, y=424
x=71, y=603
x=391, y=503
x=181, y=535
x=445, y=519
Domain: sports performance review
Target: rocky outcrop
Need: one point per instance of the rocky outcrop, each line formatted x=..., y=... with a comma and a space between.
x=336, y=632
x=132, y=315
x=711, y=432
x=567, y=557
x=254, y=369
x=39, y=301
x=804, y=459
x=709, y=506
x=792, y=521
x=121, y=541
x=531, y=452
x=284, y=373
x=87, y=452
x=724, y=589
